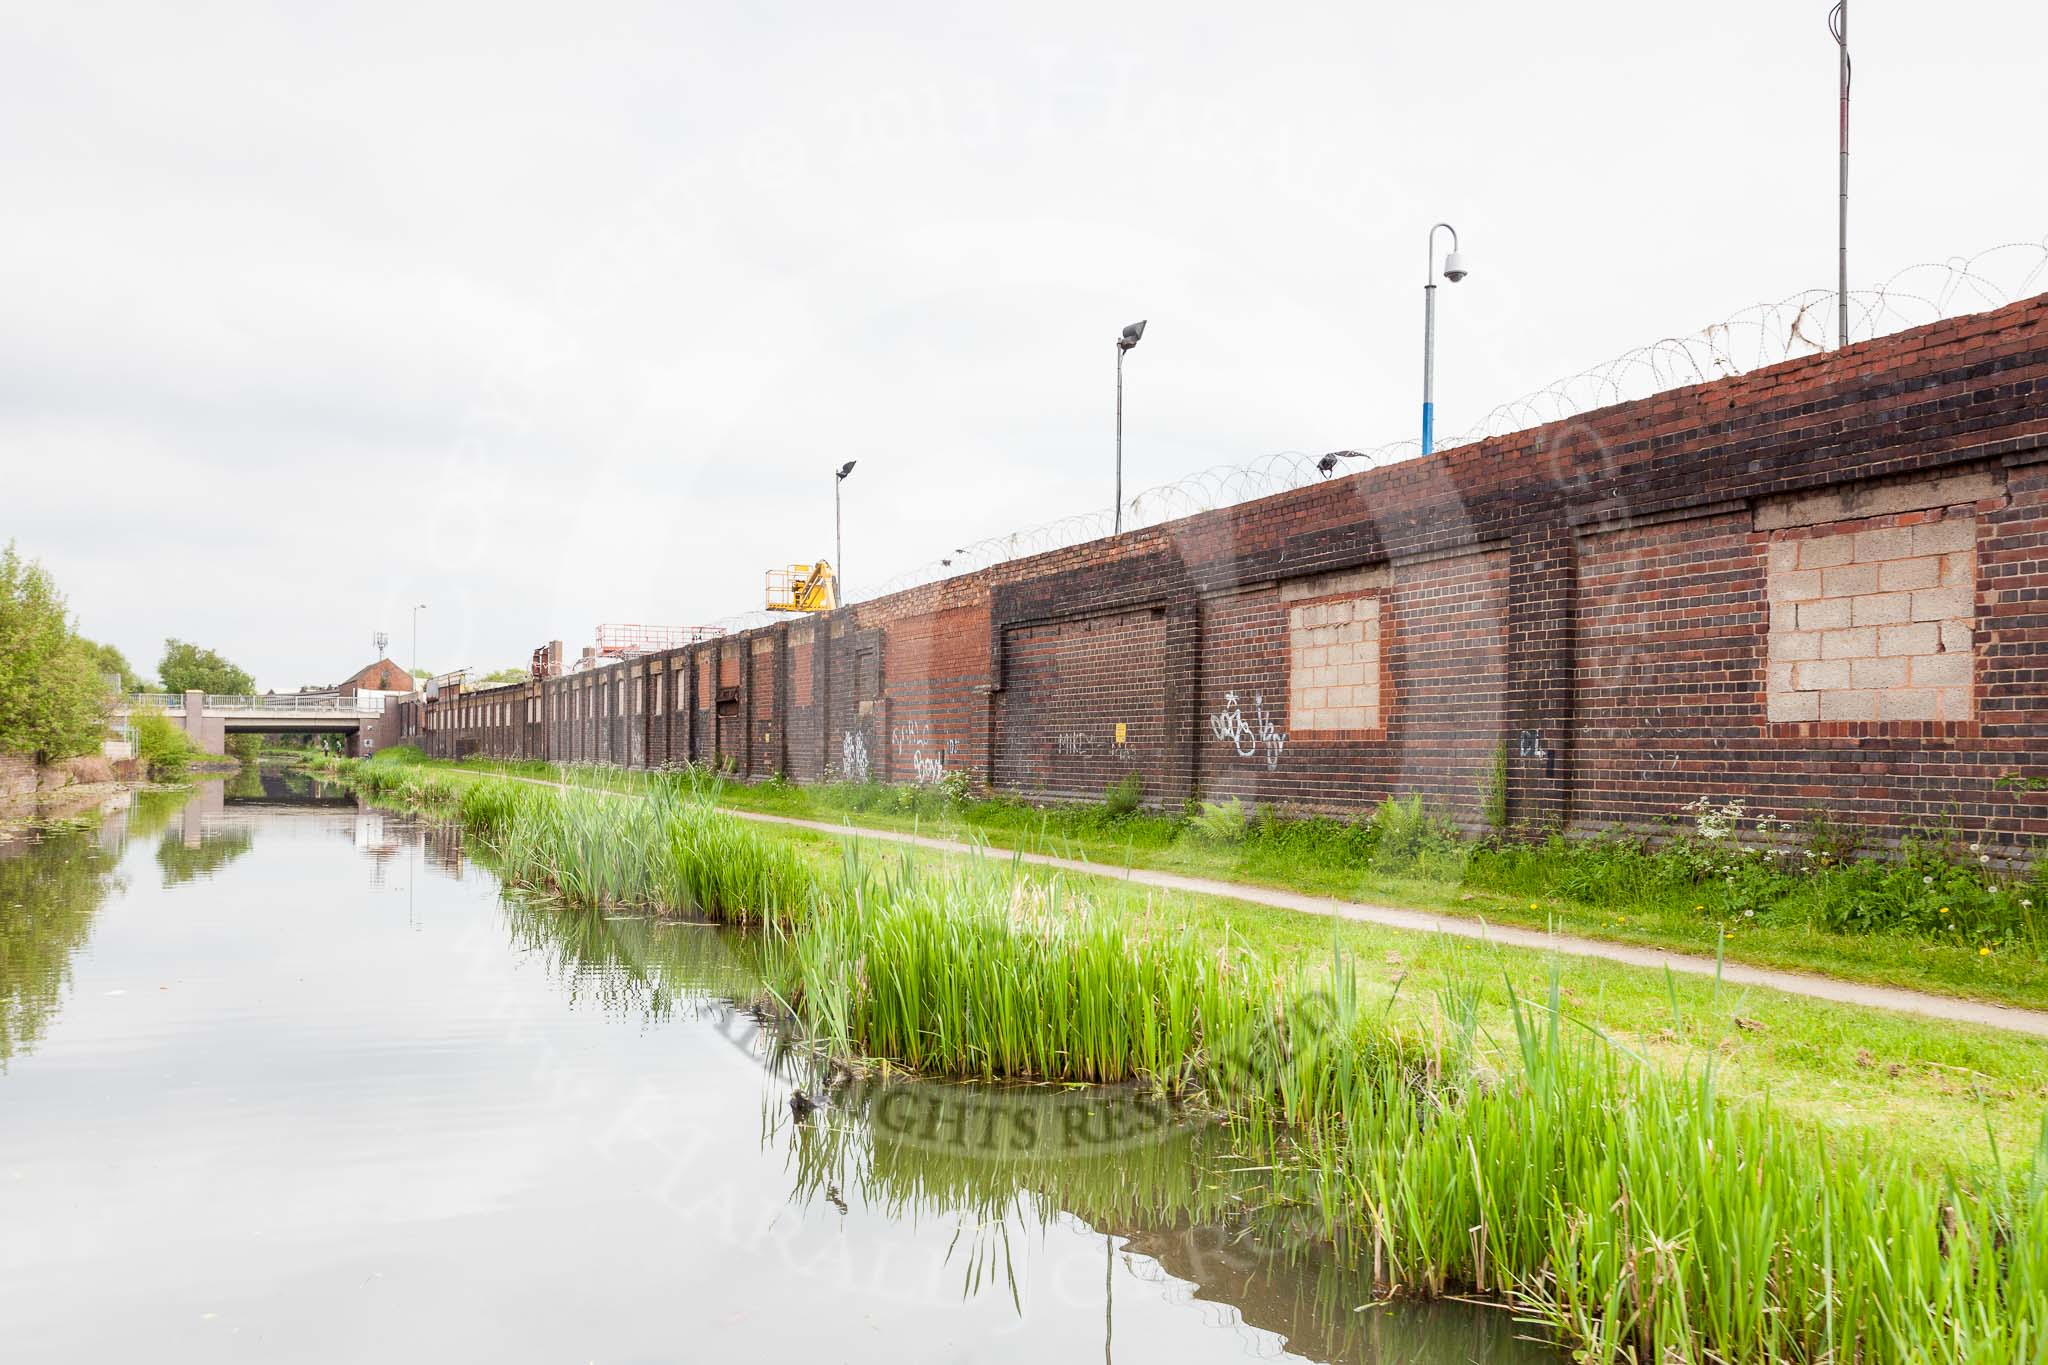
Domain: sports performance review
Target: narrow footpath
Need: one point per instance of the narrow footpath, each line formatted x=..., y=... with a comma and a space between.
x=1949, y=1007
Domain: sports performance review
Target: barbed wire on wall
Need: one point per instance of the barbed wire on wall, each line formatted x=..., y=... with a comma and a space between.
x=1761, y=335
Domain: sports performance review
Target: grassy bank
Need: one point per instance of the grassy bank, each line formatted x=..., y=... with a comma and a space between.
x=1940, y=915
x=1641, y=1212
x=1937, y=1087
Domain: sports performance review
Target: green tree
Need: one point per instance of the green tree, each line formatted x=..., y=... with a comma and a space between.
x=503, y=676
x=165, y=750
x=112, y=663
x=188, y=668
x=52, y=698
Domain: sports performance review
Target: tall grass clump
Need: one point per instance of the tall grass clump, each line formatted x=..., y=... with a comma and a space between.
x=1648, y=1221
x=1636, y=1212
x=970, y=973
x=664, y=852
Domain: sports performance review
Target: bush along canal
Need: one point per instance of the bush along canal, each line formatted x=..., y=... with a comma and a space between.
x=288, y=1076
x=1633, y=1212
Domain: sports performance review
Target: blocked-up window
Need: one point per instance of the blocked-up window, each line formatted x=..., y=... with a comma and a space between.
x=1875, y=624
x=1334, y=657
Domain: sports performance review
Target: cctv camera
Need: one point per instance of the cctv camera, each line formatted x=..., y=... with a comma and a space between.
x=1454, y=267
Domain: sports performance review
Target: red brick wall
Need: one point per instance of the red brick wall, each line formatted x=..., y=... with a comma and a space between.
x=1067, y=686
x=764, y=737
x=938, y=716
x=1671, y=625
x=806, y=716
x=1589, y=597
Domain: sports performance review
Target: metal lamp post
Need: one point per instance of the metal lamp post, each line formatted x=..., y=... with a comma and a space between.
x=838, y=535
x=1838, y=24
x=1130, y=338
x=416, y=644
x=1454, y=270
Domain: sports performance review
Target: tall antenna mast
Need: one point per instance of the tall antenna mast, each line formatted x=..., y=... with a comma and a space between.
x=1838, y=24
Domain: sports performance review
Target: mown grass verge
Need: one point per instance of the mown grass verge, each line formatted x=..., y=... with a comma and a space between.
x=1643, y=1216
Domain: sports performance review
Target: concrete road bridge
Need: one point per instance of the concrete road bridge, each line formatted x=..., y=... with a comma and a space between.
x=209, y=719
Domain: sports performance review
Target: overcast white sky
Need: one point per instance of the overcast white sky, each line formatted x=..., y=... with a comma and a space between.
x=547, y=315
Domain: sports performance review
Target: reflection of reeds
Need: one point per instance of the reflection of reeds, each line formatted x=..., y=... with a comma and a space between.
x=1001, y=1161
x=917, y=1148
x=639, y=966
x=1640, y=1215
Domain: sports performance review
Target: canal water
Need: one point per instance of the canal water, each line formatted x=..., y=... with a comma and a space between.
x=284, y=1077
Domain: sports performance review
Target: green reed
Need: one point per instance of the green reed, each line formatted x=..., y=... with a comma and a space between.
x=1635, y=1212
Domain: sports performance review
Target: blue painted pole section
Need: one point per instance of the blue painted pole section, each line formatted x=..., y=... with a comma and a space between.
x=1429, y=357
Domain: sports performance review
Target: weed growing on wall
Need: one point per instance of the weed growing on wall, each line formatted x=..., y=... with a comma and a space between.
x=1222, y=822
x=1124, y=796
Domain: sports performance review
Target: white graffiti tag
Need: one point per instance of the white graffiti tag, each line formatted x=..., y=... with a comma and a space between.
x=929, y=769
x=1073, y=744
x=853, y=756
x=1249, y=735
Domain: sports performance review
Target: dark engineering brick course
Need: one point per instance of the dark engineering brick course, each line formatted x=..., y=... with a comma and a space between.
x=1588, y=598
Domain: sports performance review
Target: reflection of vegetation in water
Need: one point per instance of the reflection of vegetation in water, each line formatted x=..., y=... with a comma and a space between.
x=151, y=812
x=217, y=848
x=1005, y=1160
x=48, y=893
x=244, y=783
x=638, y=965
x=918, y=1148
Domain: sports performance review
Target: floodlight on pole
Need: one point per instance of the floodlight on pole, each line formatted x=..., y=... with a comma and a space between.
x=1130, y=337
x=1327, y=465
x=838, y=534
x=1454, y=270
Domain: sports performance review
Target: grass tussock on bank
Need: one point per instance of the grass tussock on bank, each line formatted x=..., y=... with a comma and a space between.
x=1641, y=1215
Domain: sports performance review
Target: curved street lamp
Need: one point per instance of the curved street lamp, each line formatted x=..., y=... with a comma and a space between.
x=1454, y=270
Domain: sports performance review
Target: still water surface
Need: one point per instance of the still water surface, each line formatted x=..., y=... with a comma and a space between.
x=286, y=1078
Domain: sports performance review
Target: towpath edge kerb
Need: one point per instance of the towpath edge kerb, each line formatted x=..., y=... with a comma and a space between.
x=2011, y=1018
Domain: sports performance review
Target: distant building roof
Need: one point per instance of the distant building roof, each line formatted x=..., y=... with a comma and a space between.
x=381, y=676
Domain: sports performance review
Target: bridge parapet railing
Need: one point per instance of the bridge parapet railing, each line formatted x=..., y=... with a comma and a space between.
x=326, y=704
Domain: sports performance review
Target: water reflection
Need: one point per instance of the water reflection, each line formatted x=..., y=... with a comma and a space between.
x=1175, y=1203
x=274, y=784
x=54, y=877
x=186, y=858
x=413, y=1117
x=51, y=885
